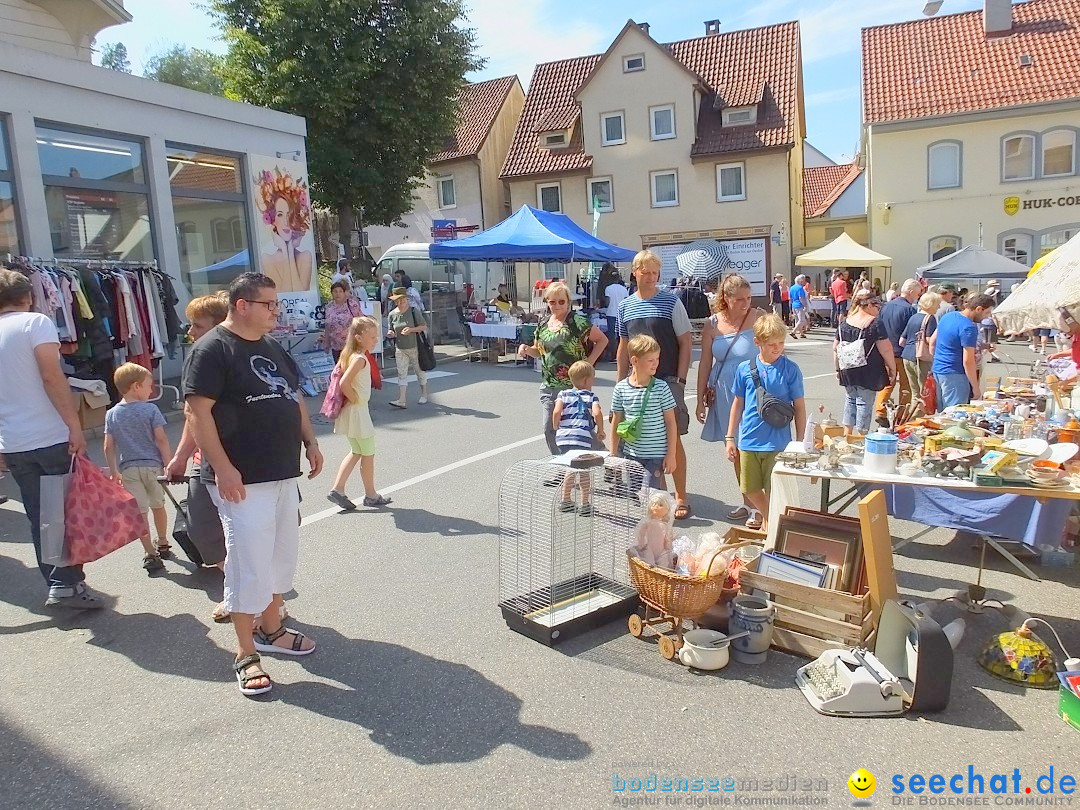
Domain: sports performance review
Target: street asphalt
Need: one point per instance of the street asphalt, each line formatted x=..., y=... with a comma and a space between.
x=420, y=696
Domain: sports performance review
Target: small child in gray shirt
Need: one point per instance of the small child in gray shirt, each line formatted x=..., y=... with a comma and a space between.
x=135, y=431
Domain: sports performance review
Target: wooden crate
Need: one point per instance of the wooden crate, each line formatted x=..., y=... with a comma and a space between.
x=826, y=619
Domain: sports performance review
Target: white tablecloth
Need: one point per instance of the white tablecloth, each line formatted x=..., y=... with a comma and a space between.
x=494, y=330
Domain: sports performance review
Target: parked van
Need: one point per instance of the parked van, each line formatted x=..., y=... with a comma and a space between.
x=412, y=257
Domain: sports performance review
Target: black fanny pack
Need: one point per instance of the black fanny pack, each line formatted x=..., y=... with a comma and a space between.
x=774, y=411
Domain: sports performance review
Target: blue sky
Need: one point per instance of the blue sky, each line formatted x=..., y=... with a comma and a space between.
x=544, y=30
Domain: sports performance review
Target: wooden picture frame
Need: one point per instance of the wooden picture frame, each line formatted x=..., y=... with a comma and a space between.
x=833, y=545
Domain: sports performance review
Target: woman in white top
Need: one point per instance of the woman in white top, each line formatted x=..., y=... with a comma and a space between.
x=615, y=293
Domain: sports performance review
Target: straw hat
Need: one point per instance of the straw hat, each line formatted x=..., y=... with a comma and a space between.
x=399, y=292
x=992, y=282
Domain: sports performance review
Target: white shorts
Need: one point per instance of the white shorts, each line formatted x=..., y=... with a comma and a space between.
x=262, y=537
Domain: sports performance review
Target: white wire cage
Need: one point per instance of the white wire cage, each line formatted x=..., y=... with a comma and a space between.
x=562, y=552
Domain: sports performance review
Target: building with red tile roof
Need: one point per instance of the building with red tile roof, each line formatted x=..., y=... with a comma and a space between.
x=834, y=199
x=970, y=131
x=463, y=185
x=672, y=142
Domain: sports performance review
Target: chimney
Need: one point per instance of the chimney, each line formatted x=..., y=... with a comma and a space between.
x=997, y=17
x=712, y=28
x=644, y=28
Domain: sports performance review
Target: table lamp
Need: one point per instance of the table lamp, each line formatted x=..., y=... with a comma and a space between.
x=1022, y=657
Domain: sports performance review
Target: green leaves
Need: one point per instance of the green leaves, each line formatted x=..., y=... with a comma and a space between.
x=192, y=68
x=377, y=81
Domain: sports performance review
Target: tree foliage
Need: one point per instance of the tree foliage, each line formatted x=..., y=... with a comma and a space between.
x=377, y=81
x=114, y=56
x=192, y=68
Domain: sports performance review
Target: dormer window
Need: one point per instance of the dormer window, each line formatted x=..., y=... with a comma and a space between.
x=735, y=116
x=555, y=139
x=633, y=62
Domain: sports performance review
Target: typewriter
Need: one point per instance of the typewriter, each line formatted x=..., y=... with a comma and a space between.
x=910, y=668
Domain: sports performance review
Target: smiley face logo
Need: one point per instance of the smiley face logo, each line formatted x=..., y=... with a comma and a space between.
x=862, y=784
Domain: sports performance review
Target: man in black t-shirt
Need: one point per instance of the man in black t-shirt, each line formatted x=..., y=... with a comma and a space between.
x=248, y=416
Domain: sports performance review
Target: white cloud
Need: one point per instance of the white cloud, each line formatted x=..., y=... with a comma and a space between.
x=515, y=37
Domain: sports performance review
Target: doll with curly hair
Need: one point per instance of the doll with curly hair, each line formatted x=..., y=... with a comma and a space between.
x=285, y=207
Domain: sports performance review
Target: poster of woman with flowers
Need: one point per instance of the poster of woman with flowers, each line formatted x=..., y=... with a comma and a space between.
x=286, y=241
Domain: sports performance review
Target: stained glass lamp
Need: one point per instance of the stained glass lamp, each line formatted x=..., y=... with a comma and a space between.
x=1021, y=657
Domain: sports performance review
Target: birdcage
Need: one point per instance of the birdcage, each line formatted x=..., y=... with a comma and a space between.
x=562, y=551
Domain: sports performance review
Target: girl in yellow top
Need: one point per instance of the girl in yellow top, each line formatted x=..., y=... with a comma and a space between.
x=354, y=420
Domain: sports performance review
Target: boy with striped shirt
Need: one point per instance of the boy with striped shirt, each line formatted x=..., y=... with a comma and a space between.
x=643, y=395
x=576, y=417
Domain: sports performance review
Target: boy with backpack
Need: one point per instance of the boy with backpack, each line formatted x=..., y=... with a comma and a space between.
x=577, y=418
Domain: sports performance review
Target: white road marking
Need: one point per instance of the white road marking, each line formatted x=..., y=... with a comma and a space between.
x=819, y=376
x=13, y=506
x=428, y=476
x=431, y=375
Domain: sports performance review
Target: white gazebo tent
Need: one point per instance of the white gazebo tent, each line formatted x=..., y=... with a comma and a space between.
x=1056, y=283
x=843, y=251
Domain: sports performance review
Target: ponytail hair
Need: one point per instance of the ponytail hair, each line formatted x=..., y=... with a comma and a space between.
x=728, y=286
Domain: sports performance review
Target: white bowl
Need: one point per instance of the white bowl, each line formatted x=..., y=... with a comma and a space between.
x=694, y=654
x=1062, y=452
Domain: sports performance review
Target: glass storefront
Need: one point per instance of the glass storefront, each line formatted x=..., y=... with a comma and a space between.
x=96, y=195
x=9, y=232
x=211, y=218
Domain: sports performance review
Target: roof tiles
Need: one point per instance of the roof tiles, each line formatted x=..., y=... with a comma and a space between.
x=949, y=66
x=756, y=66
x=823, y=185
x=478, y=106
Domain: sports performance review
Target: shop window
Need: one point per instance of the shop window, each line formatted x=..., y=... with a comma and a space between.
x=211, y=217
x=943, y=165
x=1018, y=157
x=1017, y=246
x=729, y=182
x=1058, y=148
x=600, y=198
x=9, y=231
x=612, y=129
x=942, y=246
x=549, y=197
x=95, y=195
x=662, y=122
x=665, y=188
x=554, y=271
x=1055, y=239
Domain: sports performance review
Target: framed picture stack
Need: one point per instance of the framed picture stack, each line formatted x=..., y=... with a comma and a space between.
x=827, y=576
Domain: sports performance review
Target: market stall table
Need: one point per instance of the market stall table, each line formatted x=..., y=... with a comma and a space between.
x=1048, y=512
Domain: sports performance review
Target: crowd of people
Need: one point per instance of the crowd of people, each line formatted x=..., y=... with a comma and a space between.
x=247, y=425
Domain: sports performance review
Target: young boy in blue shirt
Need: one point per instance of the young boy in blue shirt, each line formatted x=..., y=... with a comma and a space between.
x=751, y=440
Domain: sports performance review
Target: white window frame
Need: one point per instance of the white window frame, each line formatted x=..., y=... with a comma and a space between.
x=959, y=151
x=652, y=188
x=545, y=139
x=1042, y=152
x=653, y=134
x=610, y=207
x=540, y=195
x=1012, y=254
x=742, y=178
x=930, y=244
x=621, y=115
x=439, y=181
x=626, y=68
x=1004, y=144
x=728, y=112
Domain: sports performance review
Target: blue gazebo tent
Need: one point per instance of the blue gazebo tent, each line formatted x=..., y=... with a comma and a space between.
x=532, y=235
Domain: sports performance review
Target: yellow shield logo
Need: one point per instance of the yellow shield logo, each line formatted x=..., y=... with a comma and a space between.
x=1012, y=205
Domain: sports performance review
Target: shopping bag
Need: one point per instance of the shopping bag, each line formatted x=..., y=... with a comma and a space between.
x=100, y=515
x=425, y=352
x=929, y=395
x=54, y=489
x=376, y=372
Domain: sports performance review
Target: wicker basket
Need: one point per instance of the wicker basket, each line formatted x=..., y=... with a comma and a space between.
x=678, y=595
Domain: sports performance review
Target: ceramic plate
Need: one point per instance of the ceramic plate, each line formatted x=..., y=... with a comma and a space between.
x=1028, y=447
x=1062, y=452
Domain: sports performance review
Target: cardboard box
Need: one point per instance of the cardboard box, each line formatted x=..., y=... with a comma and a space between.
x=88, y=417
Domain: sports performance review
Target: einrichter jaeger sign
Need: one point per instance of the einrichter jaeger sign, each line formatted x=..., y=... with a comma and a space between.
x=1015, y=204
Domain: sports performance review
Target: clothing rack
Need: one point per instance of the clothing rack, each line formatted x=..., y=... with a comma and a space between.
x=104, y=265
